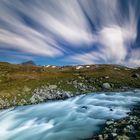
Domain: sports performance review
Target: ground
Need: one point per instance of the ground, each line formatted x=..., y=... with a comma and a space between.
x=21, y=83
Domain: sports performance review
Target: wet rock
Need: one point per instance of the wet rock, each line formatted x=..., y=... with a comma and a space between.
x=111, y=109
x=84, y=107
x=66, y=95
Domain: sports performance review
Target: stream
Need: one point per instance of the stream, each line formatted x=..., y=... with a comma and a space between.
x=72, y=119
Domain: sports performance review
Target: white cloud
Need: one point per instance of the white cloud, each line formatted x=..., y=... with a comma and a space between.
x=115, y=33
x=29, y=43
x=134, y=58
x=67, y=21
x=87, y=58
x=24, y=38
x=64, y=19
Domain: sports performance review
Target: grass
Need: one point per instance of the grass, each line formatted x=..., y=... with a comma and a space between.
x=19, y=81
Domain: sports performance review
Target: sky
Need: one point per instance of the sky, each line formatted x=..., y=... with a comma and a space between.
x=67, y=32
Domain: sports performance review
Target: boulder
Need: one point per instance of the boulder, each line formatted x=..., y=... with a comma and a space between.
x=66, y=95
x=135, y=75
x=106, y=86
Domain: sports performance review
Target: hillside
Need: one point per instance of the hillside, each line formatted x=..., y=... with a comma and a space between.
x=29, y=84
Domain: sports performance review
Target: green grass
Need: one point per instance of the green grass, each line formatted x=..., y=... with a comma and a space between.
x=14, y=78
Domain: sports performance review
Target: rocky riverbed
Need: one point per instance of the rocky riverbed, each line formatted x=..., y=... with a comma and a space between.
x=127, y=128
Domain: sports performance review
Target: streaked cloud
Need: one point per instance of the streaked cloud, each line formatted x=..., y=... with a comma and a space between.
x=134, y=59
x=108, y=29
x=115, y=33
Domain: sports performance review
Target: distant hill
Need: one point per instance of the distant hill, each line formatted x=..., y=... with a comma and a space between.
x=29, y=63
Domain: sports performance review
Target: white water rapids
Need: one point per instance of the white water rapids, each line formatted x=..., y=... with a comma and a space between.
x=73, y=119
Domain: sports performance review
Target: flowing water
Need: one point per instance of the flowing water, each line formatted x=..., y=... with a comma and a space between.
x=73, y=119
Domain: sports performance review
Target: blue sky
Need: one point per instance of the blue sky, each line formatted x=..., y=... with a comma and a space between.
x=66, y=32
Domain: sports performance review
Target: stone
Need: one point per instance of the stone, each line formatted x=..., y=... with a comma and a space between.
x=106, y=77
x=106, y=86
x=100, y=137
x=114, y=134
x=52, y=86
x=105, y=136
x=23, y=101
x=33, y=100
x=135, y=75
x=66, y=95
x=2, y=102
x=84, y=107
x=109, y=122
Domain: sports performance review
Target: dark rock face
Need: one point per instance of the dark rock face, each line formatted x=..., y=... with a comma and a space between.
x=29, y=63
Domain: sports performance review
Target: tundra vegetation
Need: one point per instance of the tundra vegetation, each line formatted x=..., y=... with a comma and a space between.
x=22, y=84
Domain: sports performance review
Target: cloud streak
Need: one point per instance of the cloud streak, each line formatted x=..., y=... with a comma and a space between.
x=46, y=28
x=115, y=33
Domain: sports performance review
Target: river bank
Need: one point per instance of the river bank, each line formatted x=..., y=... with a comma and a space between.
x=26, y=84
x=52, y=93
x=127, y=128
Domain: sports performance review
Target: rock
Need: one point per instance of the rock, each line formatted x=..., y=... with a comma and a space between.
x=105, y=136
x=109, y=122
x=52, y=86
x=114, y=134
x=106, y=86
x=100, y=137
x=135, y=75
x=66, y=95
x=2, y=102
x=33, y=100
x=84, y=107
x=106, y=77
x=23, y=101
x=124, y=137
x=14, y=100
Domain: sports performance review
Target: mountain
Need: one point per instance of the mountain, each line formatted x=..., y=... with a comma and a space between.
x=29, y=63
